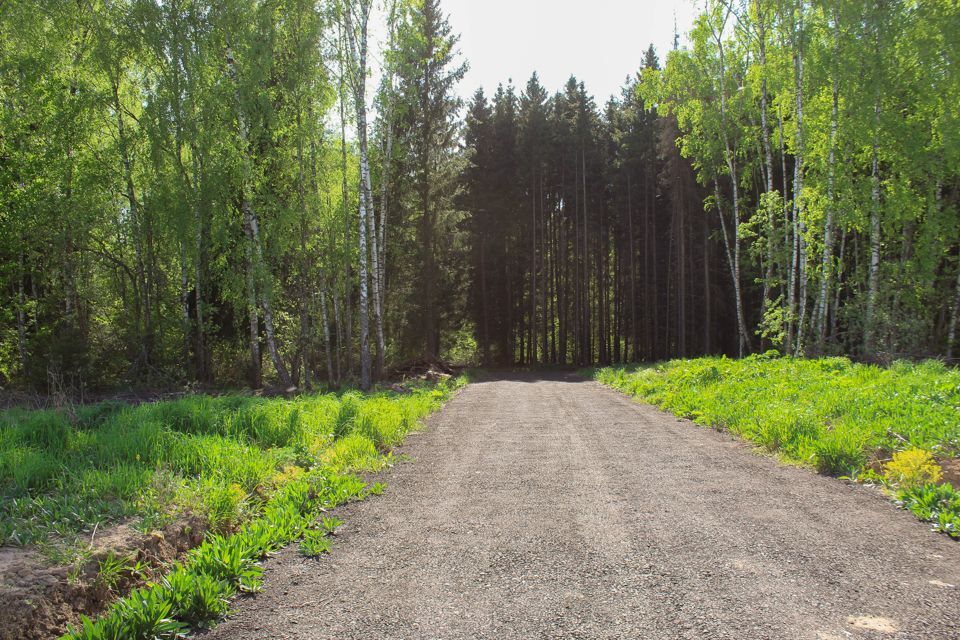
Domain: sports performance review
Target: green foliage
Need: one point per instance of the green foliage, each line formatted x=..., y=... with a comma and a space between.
x=330, y=525
x=840, y=452
x=197, y=598
x=839, y=93
x=196, y=592
x=145, y=613
x=112, y=569
x=229, y=559
x=63, y=473
x=315, y=543
x=937, y=504
x=354, y=451
x=462, y=348
x=828, y=413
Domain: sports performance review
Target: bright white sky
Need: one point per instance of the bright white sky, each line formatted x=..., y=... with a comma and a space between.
x=601, y=42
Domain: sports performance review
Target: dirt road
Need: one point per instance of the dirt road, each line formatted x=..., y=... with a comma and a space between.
x=556, y=508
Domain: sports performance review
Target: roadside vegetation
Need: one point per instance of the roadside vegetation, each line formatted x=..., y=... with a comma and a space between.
x=256, y=472
x=886, y=425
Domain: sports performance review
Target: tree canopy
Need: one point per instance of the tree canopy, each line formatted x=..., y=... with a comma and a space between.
x=222, y=193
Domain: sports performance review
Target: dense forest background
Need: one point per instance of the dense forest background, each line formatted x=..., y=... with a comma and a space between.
x=225, y=193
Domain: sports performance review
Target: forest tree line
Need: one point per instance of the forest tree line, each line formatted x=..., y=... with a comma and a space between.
x=788, y=180
x=587, y=234
x=291, y=192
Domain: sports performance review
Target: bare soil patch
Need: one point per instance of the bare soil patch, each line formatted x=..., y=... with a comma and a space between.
x=951, y=470
x=38, y=601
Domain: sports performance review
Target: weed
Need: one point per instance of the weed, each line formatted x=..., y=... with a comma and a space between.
x=230, y=560
x=113, y=569
x=197, y=598
x=354, y=451
x=349, y=406
x=937, y=504
x=314, y=543
x=145, y=613
x=330, y=525
x=840, y=453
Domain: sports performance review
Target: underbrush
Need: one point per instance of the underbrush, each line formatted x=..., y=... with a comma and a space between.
x=841, y=418
x=258, y=470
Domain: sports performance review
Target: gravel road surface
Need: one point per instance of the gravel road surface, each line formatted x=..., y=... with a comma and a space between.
x=552, y=507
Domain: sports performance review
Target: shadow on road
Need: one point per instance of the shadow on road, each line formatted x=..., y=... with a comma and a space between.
x=530, y=376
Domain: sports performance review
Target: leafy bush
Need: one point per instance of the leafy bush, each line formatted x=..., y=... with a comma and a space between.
x=911, y=468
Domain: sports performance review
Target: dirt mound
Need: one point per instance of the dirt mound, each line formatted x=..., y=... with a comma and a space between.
x=38, y=601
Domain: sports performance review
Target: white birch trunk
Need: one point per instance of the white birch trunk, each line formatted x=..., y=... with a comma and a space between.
x=731, y=252
x=767, y=151
x=356, y=48
x=326, y=332
x=799, y=159
x=826, y=263
x=732, y=168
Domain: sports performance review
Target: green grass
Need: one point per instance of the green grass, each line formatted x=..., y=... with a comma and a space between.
x=829, y=413
x=197, y=591
x=62, y=473
x=261, y=471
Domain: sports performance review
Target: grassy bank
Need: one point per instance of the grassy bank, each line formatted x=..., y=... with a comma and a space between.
x=256, y=470
x=841, y=418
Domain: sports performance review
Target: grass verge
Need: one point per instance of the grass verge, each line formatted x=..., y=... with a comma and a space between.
x=259, y=471
x=841, y=418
